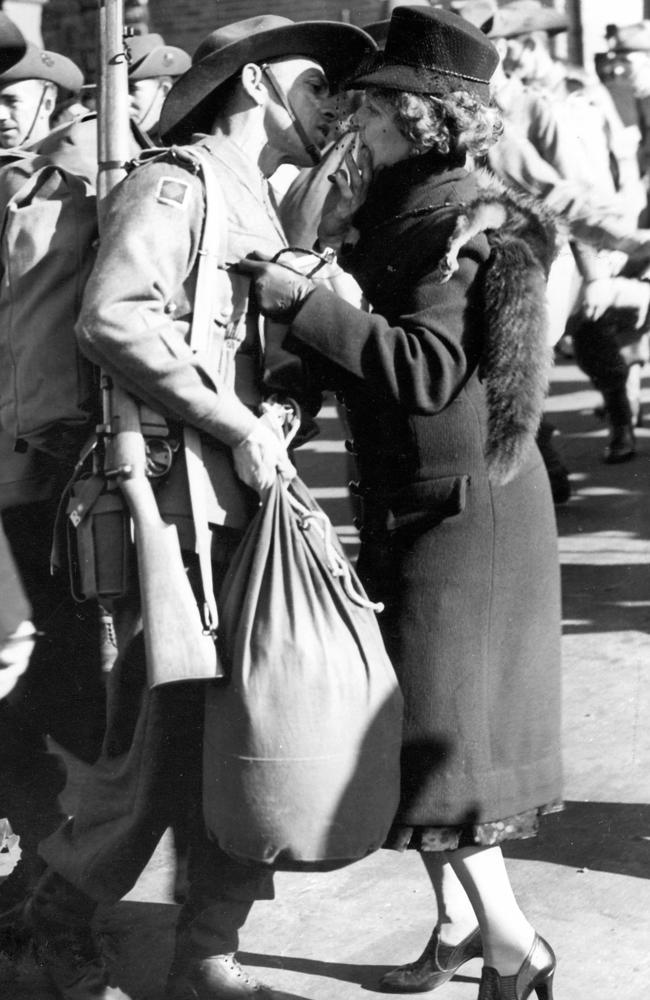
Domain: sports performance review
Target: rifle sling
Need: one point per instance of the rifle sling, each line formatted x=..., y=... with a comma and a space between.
x=212, y=252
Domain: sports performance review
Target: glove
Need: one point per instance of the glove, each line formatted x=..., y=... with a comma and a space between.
x=262, y=455
x=279, y=290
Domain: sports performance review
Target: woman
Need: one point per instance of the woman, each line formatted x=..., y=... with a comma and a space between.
x=444, y=384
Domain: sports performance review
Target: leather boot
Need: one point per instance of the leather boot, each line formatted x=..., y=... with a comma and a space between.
x=204, y=965
x=59, y=917
x=219, y=977
x=558, y=474
x=621, y=446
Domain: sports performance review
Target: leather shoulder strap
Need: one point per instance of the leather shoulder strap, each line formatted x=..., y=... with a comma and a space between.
x=211, y=255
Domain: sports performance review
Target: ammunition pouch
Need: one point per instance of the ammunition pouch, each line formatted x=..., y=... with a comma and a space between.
x=99, y=544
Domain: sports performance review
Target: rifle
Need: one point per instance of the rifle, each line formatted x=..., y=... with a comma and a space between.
x=177, y=646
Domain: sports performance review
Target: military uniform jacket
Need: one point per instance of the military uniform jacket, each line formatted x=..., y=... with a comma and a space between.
x=137, y=310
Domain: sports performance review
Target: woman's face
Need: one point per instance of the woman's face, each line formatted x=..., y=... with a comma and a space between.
x=379, y=133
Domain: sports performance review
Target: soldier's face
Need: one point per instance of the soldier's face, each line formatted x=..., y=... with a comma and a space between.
x=521, y=58
x=303, y=83
x=146, y=98
x=24, y=112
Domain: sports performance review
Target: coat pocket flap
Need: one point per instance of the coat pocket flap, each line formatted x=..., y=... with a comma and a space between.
x=431, y=501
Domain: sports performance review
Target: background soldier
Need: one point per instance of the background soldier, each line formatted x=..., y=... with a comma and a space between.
x=61, y=694
x=153, y=67
x=29, y=92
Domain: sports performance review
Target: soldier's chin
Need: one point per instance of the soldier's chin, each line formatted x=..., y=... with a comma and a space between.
x=10, y=139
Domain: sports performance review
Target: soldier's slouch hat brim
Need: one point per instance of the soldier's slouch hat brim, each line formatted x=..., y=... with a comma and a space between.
x=39, y=64
x=192, y=103
x=12, y=43
x=150, y=56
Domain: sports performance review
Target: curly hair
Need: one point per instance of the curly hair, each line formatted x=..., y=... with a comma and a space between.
x=456, y=122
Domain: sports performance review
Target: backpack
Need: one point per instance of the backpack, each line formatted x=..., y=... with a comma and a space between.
x=48, y=231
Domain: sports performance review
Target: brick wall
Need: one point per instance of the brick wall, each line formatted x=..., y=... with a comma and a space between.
x=69, y=25
x=187, y=22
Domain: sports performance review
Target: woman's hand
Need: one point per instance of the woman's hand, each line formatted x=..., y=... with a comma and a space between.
x=279, y=291
x=347, y=194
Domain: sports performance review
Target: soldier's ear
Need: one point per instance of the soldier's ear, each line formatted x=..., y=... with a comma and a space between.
x=252, y=81
x=50, y=94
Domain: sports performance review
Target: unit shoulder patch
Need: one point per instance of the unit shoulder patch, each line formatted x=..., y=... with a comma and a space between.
x=172, y=191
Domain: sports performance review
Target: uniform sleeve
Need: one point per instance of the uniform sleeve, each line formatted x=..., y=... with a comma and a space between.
x=127, y=325
x=14, y=606
x=422, y=362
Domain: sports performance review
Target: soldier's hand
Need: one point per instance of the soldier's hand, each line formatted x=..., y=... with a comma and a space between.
x=14, y=656
x=617, y=293
x=301, y=207
x=597, y=296
x=347, y=194
x=263, y=455
x=279, y=290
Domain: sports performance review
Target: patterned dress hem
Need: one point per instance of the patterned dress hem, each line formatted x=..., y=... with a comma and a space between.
x=450, y=838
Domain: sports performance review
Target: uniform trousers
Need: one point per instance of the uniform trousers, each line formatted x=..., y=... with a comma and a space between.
x=148, y=778
x=61, y=695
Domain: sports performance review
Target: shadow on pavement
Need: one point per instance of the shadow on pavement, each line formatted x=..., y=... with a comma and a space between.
x=605, y=598
x=592, y=836
x=365, y=976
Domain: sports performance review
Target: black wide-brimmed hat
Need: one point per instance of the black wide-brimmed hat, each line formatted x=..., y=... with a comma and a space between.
x=191, y=104
x=378, y=30
x=431, y=51
x=39, y=64
x=12, y=43
x=150, y=56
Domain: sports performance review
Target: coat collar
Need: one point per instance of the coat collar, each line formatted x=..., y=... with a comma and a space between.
x=408, y=188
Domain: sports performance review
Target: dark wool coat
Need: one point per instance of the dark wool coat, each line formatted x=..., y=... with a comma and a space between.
x=466, y=565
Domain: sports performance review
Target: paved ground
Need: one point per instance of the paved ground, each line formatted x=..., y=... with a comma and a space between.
x=585, y=882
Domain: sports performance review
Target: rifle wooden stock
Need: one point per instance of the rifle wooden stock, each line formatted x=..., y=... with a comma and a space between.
x=176, y=646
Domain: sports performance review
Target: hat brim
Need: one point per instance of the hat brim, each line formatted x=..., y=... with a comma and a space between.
x=190, y=105
x=12, y=43
x=152, y=64
x=38, y=64
x=378, y=31
x=505, y=25
x=416, y=80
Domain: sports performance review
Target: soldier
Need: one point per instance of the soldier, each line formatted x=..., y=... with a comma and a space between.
x=153, y=67
x=28, y=94
x=257, y=96
x=61, y=693
x=574, y=125
x=16, y=628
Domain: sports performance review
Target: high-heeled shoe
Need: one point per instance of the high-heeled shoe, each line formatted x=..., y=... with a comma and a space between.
x=535, y=975
x=435, y=966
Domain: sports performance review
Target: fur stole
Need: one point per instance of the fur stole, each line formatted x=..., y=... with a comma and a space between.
x=517, y=357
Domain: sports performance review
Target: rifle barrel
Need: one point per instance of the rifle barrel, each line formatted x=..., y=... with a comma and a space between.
x=113, y=139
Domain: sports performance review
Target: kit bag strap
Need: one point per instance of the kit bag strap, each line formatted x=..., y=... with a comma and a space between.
x=211, y=255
